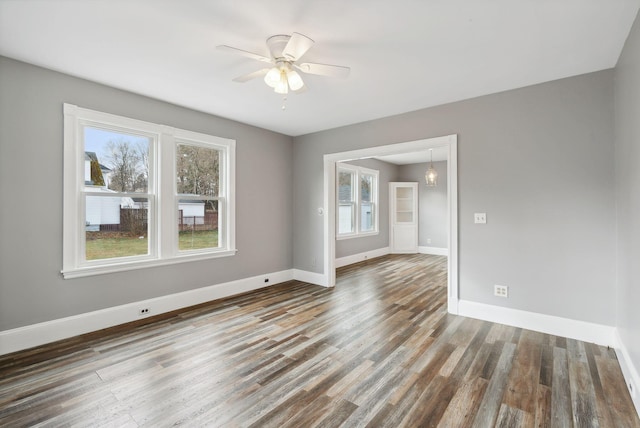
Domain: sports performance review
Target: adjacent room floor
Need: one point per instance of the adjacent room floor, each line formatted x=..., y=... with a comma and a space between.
x=377, y=350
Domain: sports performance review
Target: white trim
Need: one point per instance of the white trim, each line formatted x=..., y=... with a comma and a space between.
x=39, y=334
x=629, y=371
x=143, y=264
x=355, y=258
x=452, y=199
x=329, y=226
x=436, y=251
x=557, y=326
x=310, y=277
x=356, y=235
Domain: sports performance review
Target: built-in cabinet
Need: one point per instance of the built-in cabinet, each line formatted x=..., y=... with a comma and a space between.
x=403, y=217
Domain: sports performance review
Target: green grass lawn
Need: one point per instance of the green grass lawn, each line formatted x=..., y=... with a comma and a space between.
x=190, y=240
x=111, y=246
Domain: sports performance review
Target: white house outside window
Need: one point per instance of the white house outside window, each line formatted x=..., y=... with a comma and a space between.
x=357, y=194
x=139, y=194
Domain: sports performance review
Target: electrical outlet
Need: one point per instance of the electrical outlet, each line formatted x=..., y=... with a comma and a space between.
x=143, y=311
x=480, y=218
x=501, y=290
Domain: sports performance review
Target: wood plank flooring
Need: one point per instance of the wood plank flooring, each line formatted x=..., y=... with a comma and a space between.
x=379, y=350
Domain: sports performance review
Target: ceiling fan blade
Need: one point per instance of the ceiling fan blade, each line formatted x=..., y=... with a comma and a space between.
x=324, y=69
x=297, y=46
x=244, y=53
x=247, y=77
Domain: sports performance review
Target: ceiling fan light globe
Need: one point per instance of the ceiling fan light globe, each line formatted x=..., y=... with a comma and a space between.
x=283, y=90
x=294, y=79
x=282, y=87
x=273, y=78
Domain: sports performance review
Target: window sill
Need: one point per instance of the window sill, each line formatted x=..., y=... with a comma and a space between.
x=356, y=235
x=122, y=267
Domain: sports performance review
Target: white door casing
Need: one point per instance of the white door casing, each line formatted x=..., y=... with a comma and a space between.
x=329, y=208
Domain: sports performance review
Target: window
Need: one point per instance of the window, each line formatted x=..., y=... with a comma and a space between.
x=138, y=194
x=357, y=194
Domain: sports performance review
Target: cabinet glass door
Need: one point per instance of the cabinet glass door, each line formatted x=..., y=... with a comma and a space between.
x=404, y=205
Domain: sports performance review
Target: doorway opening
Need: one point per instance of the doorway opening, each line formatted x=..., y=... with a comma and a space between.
x=330, y=160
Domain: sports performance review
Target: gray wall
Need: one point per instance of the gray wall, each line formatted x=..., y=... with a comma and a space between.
x=538, y=161
x=432, y=204
x=348, y=247
x=31, y=287
x=627, y=129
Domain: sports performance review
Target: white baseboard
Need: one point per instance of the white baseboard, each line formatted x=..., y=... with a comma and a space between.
x=310, y=277
x=360, y=257
x=436, y=251
x=629, y=371
x=557, y=326
x=39, y=334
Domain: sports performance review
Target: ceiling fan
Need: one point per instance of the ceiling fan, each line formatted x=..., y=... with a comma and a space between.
x=286, y=51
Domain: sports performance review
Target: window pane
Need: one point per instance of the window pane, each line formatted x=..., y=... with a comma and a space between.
x=366, y=187
x=366, y=217
x=346, y=218
x=115, y=226
x=197, y=170
x=197, y=173
x=116, y=161
x=345, y=186
x=197, y=224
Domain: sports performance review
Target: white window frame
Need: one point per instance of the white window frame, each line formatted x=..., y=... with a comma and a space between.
x=162, y=194
x=357, y=172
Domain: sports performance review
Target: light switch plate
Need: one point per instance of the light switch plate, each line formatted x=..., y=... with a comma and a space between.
x=480, y=218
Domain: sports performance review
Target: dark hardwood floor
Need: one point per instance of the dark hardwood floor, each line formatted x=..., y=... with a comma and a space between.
x=378, y=350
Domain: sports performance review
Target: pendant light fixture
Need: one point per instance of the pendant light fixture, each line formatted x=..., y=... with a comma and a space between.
x=431, y=176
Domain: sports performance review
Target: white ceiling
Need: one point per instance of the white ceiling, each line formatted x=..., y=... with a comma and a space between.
x=404, y=55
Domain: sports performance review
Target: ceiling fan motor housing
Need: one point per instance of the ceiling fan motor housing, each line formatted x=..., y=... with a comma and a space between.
x=276, y=45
